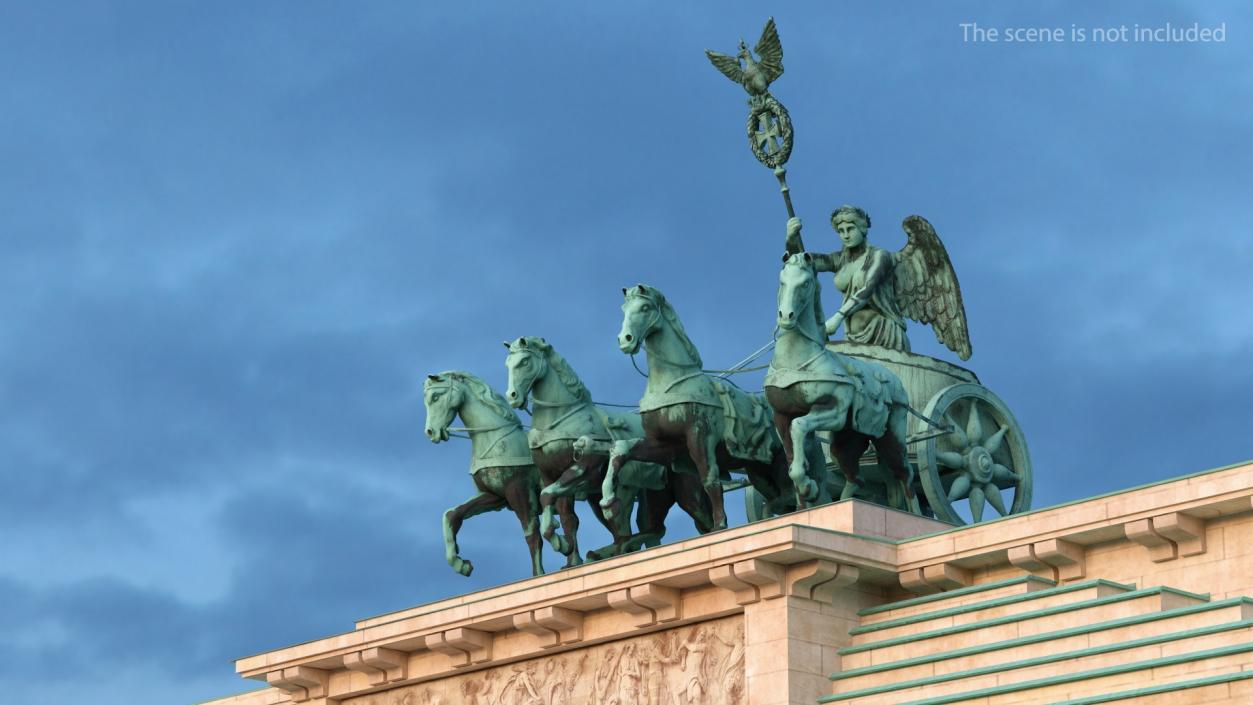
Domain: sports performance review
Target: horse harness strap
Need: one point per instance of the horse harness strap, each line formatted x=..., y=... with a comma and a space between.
x=575, y=408
x=684, y=378
x=480, y=459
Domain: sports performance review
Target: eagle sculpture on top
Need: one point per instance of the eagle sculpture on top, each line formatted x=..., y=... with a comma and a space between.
x=755, y=75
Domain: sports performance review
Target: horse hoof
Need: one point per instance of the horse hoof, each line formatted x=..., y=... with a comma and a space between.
x=560, y=544
x=462, y=566
x=809, y=490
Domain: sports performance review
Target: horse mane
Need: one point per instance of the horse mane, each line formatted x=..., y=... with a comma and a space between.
x=484, y=393
x=667, y=312
x=565, y=374
x=820, y=318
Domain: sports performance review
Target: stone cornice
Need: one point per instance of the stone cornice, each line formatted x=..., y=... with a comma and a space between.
x=847, y=545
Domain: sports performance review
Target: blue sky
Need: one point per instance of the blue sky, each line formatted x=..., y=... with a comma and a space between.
x=237, y=235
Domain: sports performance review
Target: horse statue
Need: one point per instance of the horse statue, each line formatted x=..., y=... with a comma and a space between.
x=500, y=463
x=689, y=414
x=569, y=441
x=812, y=388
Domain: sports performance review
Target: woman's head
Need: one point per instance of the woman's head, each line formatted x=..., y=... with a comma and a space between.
x=852, y=224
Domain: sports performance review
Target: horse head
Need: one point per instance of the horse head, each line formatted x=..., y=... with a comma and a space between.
x=798, y=293
x=443, y=395
x=527, y=362
x=641, y=316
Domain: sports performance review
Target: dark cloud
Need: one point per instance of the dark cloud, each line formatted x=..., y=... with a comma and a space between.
x=237, y=238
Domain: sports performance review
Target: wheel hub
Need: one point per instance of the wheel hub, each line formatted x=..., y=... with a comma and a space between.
x=980, y=463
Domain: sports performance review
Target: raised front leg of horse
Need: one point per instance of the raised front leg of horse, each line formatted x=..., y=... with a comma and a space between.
x=832, y=417
x=555, y=496
x=480, y=503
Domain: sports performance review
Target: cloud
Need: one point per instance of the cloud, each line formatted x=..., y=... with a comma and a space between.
x=236, y=239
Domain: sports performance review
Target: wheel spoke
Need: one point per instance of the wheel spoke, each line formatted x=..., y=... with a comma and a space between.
x=960, y=488
x=949, y=459
x=974, y=427
x=993, y=443
x=976, y=504
x=993, y=493
x=958, y=436
x=1002, y=474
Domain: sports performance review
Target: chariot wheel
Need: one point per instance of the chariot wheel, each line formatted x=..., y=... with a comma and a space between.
x=755, y=505
x=982, y=458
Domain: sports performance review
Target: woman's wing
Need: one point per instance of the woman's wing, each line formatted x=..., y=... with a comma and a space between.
x=926, y=286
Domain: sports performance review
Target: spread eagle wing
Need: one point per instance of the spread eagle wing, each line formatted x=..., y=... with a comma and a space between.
x=770, y=52
x=728, y=65
x=926, y=286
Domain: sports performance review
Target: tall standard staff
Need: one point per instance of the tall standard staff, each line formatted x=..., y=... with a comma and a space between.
x=769, y=127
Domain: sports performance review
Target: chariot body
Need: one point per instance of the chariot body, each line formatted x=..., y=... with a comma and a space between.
x=965, y=446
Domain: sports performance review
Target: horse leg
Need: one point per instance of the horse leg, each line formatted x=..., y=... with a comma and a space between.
x=692, y=499
x=618, y=524
x=645, y=450
x=618, y=454
x=783, y=426
x=561, y=493
x=651, y=519
x=818, y=470
x=523, y=497
x=828, y=418
x=891, y=450
x=848, y=446
x=625, y=540
x=702, y=446
x=453, y=518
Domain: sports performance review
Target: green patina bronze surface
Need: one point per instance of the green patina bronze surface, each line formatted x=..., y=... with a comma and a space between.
x=694, y=426
x=500, y=461
x=882, y=288
x=570, y=439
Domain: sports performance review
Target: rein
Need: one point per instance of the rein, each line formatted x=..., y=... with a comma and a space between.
x=576, y=406
x=455, y=431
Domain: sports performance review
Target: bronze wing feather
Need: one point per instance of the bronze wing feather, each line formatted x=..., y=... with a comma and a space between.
x=770, y=52
x=926, y=286
x=728, y=65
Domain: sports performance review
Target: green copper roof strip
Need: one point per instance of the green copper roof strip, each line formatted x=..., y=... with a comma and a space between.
x=997, y=621
x=1073, y=677
x=1159, y=689
x=1041, y=660
x=1051, y=635
x=913, y=601
x=1045, y=636
x=996, y=602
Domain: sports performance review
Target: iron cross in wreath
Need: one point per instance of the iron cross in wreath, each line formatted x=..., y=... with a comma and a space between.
x=769, y=127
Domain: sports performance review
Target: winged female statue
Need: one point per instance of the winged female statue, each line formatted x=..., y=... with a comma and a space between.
x=883, y=288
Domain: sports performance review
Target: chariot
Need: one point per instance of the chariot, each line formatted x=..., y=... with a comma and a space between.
x=966, y=447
